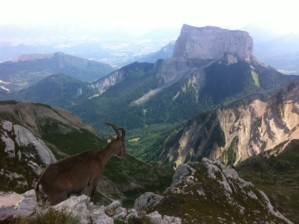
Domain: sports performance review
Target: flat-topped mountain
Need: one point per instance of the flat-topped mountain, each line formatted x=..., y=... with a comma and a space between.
x=212, y=43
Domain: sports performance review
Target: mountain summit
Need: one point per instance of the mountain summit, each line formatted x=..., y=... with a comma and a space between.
x=210, y=43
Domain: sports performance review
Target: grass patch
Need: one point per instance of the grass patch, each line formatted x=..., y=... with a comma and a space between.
x=142, y=144
x=130, y=170
x=255, y=78
x=70, y=141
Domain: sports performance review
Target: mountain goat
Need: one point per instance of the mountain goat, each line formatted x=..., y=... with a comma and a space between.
x=72, y=175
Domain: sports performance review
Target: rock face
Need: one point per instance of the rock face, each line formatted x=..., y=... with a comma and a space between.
x=18, y=136
x=212, y=43
x=105, y=83
x=234, y=134
x=208, y=192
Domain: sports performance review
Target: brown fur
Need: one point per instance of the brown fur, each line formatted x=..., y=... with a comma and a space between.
x=72, y=175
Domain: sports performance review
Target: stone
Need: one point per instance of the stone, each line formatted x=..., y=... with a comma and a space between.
x=147, y=199
x=15, y=205
x=181, y=171
x=77, y=207
x=8, y=204
x=171, y=220
x=155, y=217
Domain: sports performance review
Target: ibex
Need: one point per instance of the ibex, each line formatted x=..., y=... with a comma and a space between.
x=72, y=175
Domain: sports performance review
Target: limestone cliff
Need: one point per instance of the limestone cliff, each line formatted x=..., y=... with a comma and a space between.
x=236, y=133
x=209, y=43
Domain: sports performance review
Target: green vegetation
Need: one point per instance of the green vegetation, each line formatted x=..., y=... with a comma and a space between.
x=230, y=155
x=255, y=78
x=69, y=140
x=57, y=90
x=277, y=176
x=280, y=108
x=128, y=171
x=15, y=174
x=144, y=142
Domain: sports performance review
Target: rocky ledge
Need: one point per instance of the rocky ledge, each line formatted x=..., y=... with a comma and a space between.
x=201, y=192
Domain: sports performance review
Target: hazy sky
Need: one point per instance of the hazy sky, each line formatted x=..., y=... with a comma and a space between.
x=282, y=16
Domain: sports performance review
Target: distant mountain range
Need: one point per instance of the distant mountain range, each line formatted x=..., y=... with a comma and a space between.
x=197, y=78
x=282, y=53
x=116, y=47
x=26, y=70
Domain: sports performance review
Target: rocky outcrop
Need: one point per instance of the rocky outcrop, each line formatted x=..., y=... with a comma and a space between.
x=17, y=136
x=201, y=192
x=22, y=156
x=241, y=131
x=13, y=205
x=212, y=43
x=208, y=192
x=105, y=83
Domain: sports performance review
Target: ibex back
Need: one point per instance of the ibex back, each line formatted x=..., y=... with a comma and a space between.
x=72, y=175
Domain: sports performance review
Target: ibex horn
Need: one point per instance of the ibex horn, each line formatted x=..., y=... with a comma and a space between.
x=116, y=129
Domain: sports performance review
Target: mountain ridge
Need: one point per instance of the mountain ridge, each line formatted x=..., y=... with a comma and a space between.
x=235, y=133
x=29, y=69
x=178, y=88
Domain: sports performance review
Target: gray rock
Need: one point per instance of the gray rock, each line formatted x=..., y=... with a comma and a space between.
x=27, y=206
x=77, y=207
x=116, y=210
x=210, y=43
x=171, y=220
x=15, y=205
x=98, y=216
x=181, y=171
x=155, y=217
x=25, y=137
x=147, y=199
x=9, y=203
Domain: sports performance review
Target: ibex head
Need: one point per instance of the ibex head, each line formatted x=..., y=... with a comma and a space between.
x=119, y=141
